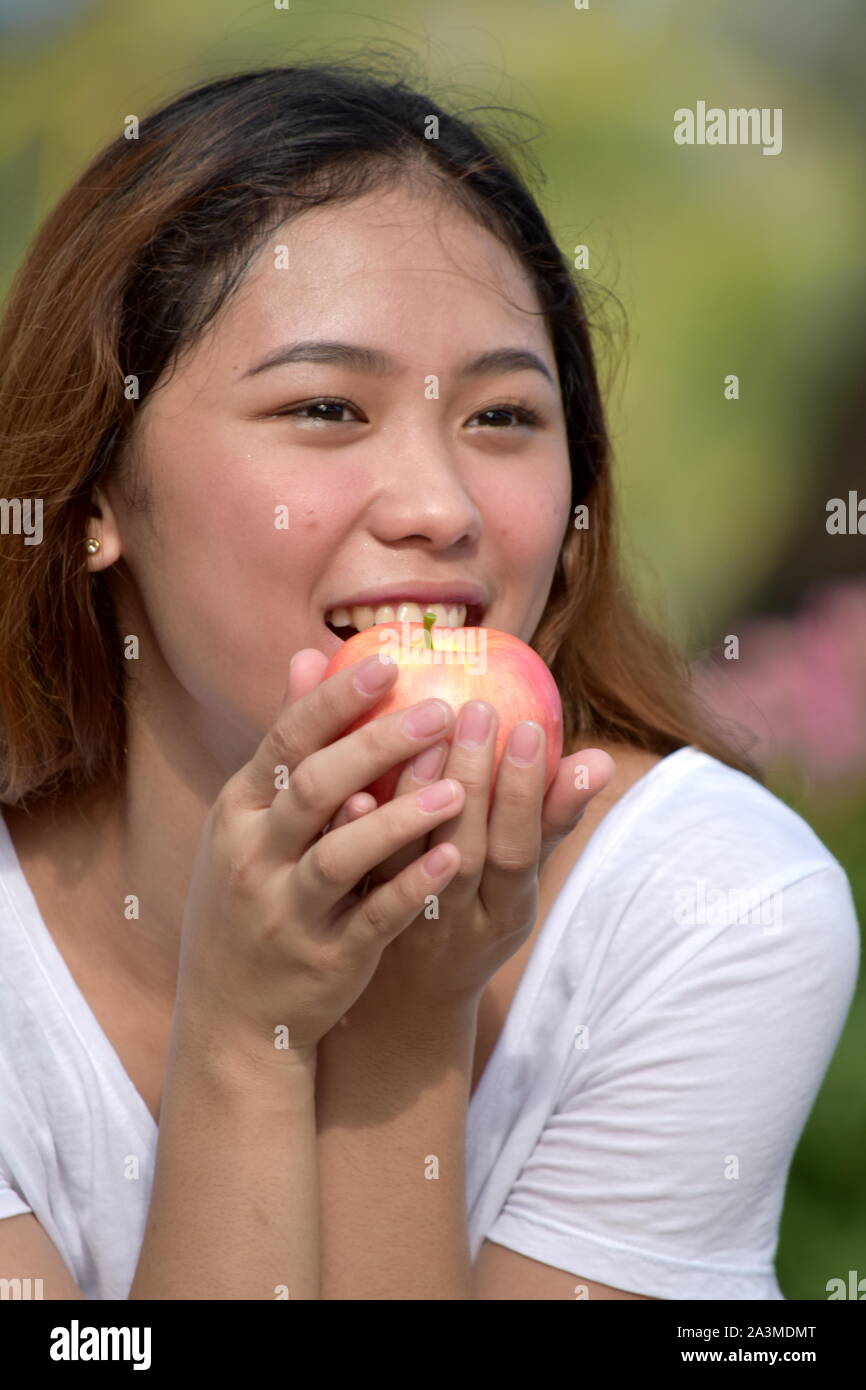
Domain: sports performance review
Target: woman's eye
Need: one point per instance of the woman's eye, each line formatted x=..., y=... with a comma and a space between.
x=328, y=410
x=521, y=413
x=329, y=403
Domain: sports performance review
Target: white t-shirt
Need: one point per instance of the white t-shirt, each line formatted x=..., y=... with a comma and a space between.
x=637, y=1119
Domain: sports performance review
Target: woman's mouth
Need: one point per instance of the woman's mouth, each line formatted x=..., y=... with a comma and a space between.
x=346, y=622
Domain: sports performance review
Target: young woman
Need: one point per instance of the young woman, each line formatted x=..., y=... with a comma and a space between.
x=288, y=359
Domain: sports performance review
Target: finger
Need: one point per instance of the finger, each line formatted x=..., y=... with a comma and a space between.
x=580, y=777
x=328, y=777
x=358, y=805
x=311, y=717
x=361, y=804
x=305, y=672
x=509, y=883
x=470, y=761
x=390, y=908
x=338, y=861
x=427, y=767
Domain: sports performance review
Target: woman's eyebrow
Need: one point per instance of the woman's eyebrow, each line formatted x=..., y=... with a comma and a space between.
x=366, y=359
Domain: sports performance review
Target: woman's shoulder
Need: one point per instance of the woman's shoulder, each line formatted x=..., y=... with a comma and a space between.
x=690, y=807
x=688, y=844
x=696, y=867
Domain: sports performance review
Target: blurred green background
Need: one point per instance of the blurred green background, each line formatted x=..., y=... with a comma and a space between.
x=708, y=261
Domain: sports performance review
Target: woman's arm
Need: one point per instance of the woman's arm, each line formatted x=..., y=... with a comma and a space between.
x=392, y=1094
x=274, y=942
x=233, y=1210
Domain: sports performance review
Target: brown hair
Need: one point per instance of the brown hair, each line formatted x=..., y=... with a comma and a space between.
x=134, y=261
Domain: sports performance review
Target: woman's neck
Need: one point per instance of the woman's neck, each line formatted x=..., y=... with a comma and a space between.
x=111, y=870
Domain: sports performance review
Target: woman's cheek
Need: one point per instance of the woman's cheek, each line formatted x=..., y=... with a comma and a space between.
x=529, y=530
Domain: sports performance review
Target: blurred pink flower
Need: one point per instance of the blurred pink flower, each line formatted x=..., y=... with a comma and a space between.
x=799, y=685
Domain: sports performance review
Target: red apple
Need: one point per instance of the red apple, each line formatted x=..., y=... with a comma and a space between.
x=456, y=665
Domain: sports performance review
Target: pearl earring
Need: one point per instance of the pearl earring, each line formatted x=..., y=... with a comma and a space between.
x=92, y=545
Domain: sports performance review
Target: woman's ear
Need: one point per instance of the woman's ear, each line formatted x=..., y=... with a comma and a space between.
x=101, y=527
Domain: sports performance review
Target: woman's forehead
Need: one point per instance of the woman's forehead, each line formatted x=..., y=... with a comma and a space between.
x=368, y=278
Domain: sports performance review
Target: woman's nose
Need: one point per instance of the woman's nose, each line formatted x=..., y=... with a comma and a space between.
x=425, y=500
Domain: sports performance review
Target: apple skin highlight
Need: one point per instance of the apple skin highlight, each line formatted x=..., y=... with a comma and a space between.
x=446, y=663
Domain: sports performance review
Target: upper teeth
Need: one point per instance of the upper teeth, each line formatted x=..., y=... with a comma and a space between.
x=361, y=617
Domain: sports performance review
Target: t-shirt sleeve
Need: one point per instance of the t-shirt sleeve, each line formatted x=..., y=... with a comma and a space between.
x=11, y=1201
x=661, y=1169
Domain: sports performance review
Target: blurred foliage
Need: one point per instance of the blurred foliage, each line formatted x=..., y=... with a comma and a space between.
x=722, y=260
x=823, y=1230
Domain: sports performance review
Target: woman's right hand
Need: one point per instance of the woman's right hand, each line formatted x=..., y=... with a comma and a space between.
x=274, y=938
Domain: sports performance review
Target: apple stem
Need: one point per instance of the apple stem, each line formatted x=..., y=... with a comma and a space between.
x=429, y=620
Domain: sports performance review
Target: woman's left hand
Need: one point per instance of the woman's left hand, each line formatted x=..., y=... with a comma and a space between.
x=488, y=909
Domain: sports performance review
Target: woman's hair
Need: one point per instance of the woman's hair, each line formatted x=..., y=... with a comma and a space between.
x=132, y=264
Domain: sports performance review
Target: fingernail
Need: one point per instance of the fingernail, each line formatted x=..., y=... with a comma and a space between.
x=426, y=765
x=473, y=724
x=439, y=795
x=525, y=743
x=373, y=674
x=426, y=719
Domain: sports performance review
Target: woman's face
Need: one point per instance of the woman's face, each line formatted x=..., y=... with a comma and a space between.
x=268, y=511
